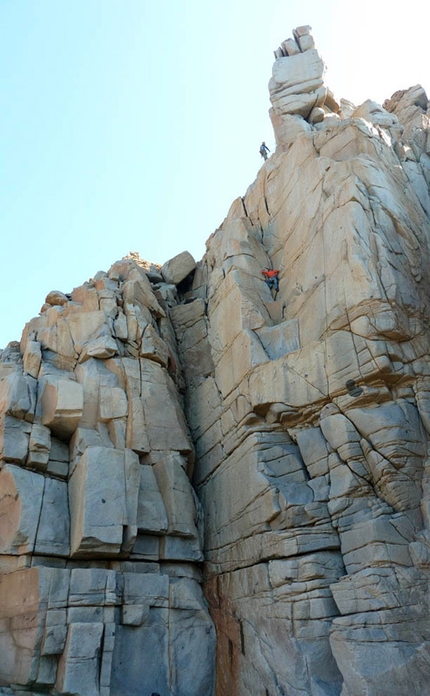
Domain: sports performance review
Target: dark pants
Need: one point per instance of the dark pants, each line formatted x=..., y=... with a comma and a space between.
x=272, y=283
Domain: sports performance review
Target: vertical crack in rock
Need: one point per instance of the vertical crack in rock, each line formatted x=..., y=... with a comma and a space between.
x=209, y=487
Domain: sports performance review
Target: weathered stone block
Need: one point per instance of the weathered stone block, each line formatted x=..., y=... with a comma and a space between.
x=15, y=397
x=164, y=418
x=54, y=636
x=56, y=297
x=151, y=512
x=140, y=661
x=23, y=601
x=32, y=358
x=137, y=291
x=88, y=326
x=21, y=495
x=113, y=403
x=177, y=269
x=178, y=496
x=79, y=665
x=53, y=531
x=102, y=348
x=97, y=502
x=61, y=406
x=40, y=445
x=153, y=346
x=93, y=587
x=14, y=439
x=280, y=339
x=134, y=615
x=192, y=640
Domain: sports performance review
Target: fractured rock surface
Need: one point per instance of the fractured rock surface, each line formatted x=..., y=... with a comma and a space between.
x=100, y=529
x=301, y=417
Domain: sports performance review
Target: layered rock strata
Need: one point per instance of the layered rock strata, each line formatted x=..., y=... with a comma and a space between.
x=303, y=418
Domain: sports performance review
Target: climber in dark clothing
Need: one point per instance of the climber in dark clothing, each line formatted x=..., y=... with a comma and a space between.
x=264, y=150
x=271, y=278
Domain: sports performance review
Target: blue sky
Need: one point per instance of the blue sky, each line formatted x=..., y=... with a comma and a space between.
x=132, y=125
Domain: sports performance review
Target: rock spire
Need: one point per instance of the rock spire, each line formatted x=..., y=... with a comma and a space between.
x=210, y=488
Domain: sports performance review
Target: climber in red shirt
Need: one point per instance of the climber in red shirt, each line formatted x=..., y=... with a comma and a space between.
x=271, y=278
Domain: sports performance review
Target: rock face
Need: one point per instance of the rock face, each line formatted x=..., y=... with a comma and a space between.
x=100, y=529
x=302, y=418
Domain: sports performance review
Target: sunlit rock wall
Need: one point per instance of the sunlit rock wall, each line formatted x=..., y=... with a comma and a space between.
x=302, y=418
x=100, y=529
x=310, y=408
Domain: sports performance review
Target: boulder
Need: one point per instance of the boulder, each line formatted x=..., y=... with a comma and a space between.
x=178, y=268
x=55, y=297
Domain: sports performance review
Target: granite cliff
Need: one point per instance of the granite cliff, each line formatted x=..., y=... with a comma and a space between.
x=209, y=487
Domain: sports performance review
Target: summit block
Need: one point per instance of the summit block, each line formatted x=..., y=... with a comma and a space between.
x=213, y=487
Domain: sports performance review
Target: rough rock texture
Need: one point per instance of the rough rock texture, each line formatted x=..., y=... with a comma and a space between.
x=303, y=418
x=100, y=529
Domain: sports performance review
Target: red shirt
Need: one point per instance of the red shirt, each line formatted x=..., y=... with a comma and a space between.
x=270, y=274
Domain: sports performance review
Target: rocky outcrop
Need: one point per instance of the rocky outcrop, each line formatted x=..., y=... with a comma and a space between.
x=312, y=427
x=301, y=416
x=101, y=531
